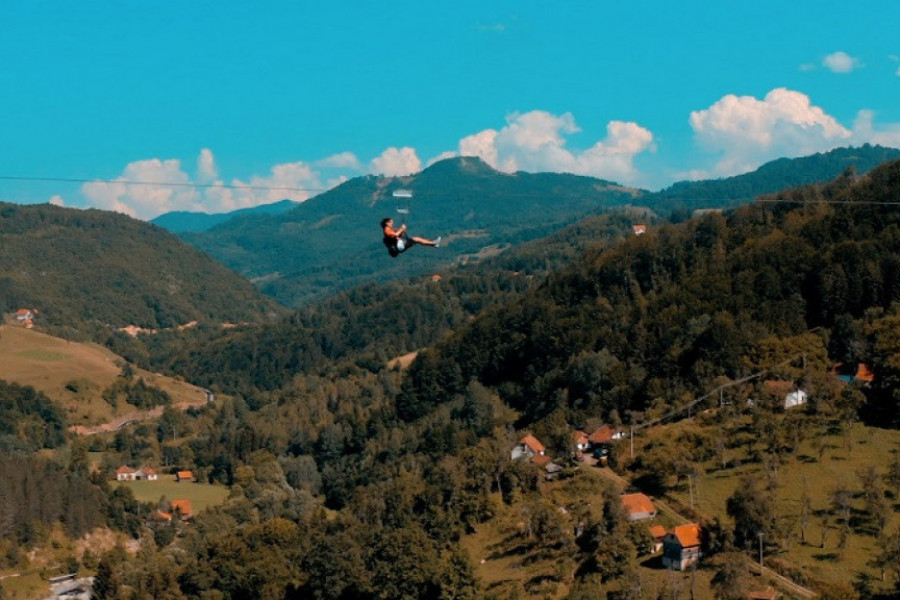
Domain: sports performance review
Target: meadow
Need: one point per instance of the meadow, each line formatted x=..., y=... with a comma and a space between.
x=201, y=495
x=74, y=375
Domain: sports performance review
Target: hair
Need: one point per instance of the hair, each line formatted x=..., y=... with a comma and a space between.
x=384, y=222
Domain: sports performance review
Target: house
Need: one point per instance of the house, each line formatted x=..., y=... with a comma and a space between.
x=863, y=374
x=638, y=507
x=639, y=229
x=528, y=447
x=658, y=532
x=184, y=476
x=146, y=473
x=125, y=473
x=787, y=391
x=25, y=316
x=681, y=547
x=605, y=435
x=580, y=440
x=182, y=507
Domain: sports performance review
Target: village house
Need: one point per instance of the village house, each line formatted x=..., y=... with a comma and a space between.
x=25, y=316
x=639, y=229
x=184, y=476
x=681, y=547
x=183, y=508
x=125, y=473
x=863, y=373
x=580, y=441
x=528, y=447
x=790, y=395
x=638, y=507
x=658, y=532
x=146, y=473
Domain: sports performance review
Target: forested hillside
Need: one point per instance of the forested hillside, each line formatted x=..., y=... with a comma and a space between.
x=659, y=318
x=350, y=479
x=87, y=270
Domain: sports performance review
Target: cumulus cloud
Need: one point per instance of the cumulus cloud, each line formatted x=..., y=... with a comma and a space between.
x=206, y=166
x=396, y=162
x=866, y=131
x=148, y=188
x=746, y=131
x=536, y=141
x=841, y=62
x=57, y=200
x=134, y=194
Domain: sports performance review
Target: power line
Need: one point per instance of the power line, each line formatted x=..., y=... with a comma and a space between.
x=164, y=183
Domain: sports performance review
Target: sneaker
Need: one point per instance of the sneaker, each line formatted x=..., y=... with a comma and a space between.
x=437, y=242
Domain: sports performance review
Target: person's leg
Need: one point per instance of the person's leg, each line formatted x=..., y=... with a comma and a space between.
x=425, y=242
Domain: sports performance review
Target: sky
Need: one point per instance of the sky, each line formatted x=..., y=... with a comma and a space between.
x=235, y=104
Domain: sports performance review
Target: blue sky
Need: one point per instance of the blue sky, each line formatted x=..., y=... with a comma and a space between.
x=299, y=96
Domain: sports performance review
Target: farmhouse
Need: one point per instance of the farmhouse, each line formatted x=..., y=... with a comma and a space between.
x=125, y=473
x=528, y=447
x=681, y=547
x=638, y=507
x=184, y=476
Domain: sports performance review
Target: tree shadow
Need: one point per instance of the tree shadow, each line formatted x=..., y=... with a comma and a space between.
x=828, y=557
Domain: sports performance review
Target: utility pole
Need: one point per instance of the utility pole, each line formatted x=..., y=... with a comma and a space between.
x=760, y=535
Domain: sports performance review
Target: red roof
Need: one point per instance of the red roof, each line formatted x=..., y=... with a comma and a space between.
x=148, y=471
x=864, y=373
x=532, y=443
x=658, y=532
x=182, y=506
x=124, y=470
x=637, y=503
x=603, y=435
x=688, y=535
x=540, y=459
x=579, y=437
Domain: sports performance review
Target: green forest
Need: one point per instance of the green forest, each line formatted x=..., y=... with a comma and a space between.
x=350, y=477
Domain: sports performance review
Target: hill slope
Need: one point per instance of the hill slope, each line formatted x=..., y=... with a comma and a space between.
x=333, y=241
x=74, y=376
x=105, y=269
x=183, y=221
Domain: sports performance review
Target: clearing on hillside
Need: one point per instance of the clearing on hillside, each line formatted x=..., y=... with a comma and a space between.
x=74, y=375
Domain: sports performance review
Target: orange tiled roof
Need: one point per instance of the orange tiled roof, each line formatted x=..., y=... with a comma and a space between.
x=185, y=475
x=540, y=459
x=603, y=435
x=688, y=535
x=864, y=373
x=579, y=437
x=533, y=443
x=148, y=471
x=124, y=469
x=637, y=503
x=658, y=531
x=184, y=506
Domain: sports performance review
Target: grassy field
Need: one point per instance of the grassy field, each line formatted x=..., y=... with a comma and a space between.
x=201, y=495
x=843, y=457
x=74, y=375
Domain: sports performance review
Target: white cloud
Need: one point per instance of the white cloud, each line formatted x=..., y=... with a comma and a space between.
x=747, y=132
x=56, y=200
x=343, y=160
x=177, y=191
x=841, y=62
x=866, y=131
x=396, y=162
x=142, y=200
x=536, y=141
x=206, y=166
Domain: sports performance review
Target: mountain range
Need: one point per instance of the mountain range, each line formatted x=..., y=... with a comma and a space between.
x=333, y=242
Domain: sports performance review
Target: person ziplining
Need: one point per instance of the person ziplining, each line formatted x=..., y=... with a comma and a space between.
x=397, y=240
